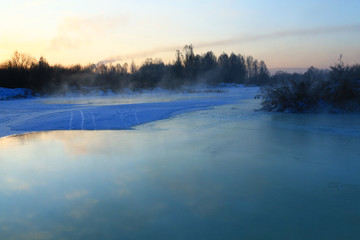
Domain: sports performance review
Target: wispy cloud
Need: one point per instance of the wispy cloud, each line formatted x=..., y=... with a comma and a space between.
x=74, y=32
x=309, y=32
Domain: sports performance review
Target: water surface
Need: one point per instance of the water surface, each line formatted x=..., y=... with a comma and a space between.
x=226, y=173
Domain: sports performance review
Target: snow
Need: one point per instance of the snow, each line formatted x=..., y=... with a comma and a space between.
x=111, y=112
x=7, y=93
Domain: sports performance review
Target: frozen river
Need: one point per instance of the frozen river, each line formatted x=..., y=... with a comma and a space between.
x=222, y=173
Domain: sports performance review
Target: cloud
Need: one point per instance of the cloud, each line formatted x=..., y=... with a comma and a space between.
x=288, y=33
x=74, y=32
x=309, y=32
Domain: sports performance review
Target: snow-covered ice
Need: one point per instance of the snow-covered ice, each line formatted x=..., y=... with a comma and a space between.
x=111, y=112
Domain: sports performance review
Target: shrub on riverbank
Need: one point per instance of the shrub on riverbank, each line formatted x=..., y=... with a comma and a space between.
x=334, y=90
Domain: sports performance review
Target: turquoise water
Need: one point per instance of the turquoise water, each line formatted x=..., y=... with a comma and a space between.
x=226, y=173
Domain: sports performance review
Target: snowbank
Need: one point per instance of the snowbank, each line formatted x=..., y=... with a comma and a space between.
x=7, y=93
x=108, y=113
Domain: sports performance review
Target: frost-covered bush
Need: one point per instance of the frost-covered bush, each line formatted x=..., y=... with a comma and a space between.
x=336, y=90
x=6, y=93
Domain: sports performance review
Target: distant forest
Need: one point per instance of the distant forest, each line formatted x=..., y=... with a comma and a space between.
x=188, y=68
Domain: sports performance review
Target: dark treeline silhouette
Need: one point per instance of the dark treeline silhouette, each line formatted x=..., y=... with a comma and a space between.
x=334, y=90
x=188, y=68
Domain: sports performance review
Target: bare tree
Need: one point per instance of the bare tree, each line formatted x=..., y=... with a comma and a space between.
x=188, y=55
x=21, y=61
x=133, y=67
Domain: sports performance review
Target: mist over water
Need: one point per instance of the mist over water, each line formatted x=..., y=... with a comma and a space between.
x=227, y=173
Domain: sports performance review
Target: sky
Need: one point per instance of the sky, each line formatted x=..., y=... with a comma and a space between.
x=285, y=34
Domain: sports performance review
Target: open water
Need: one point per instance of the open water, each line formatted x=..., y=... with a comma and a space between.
x=223, y=173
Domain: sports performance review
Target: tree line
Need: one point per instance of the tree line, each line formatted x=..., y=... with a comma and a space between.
x=188, y=68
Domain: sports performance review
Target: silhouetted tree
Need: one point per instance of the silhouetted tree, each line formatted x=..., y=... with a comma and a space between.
x=208, y=61
x=237, y=69
x=264, y=74
x=150, y=74
x=189, y=56
x=133, y=67
x=124, y=68
x=20, y=61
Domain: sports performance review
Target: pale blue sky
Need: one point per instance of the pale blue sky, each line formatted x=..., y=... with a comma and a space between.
x=283, y=33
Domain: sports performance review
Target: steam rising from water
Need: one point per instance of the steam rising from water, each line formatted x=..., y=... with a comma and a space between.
x=139, y=54
x=244, y=39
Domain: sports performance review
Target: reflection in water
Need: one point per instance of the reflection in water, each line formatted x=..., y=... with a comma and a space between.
x=228, y=173
x=74, y=143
